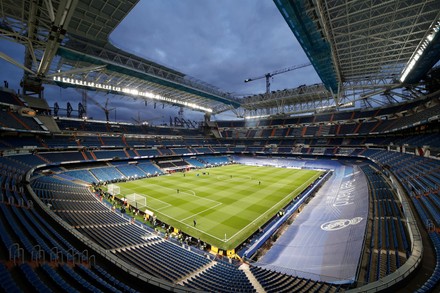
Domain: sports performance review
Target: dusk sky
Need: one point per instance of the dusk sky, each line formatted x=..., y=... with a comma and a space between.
x=218, y=42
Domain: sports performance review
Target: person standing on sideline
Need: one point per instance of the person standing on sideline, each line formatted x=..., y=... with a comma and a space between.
x=194, y=222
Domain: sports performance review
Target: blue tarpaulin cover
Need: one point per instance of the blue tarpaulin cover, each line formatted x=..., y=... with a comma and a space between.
x=325, y=241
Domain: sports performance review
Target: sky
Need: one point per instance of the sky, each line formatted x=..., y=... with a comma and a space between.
x=218, y=42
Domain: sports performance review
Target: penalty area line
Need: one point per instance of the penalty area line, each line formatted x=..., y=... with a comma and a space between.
x=201, y=212
x=148, y=198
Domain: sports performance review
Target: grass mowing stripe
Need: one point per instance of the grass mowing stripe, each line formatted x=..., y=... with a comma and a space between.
x=234, y=200
x=278, y=207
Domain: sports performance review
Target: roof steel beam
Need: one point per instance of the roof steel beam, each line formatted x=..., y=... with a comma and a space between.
x=64, y=13
x=328, y=32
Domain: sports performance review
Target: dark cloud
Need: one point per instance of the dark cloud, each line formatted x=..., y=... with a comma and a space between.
x=218, y=42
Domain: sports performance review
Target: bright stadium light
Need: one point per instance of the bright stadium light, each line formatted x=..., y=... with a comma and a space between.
x=412, y=62
x=256, y=116
x=128, y=91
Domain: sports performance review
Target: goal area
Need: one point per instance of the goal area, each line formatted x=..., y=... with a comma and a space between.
x=137, y=200
x=113, y=189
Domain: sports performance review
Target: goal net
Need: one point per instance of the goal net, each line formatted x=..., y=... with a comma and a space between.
x=113, y=189
x=139, y=201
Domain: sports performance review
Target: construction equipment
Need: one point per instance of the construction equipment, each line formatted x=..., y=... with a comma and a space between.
x=56, y=108
x=104, y=108
x=69, y=109
x=140, y=121
x=271, y=74
x=82, y=113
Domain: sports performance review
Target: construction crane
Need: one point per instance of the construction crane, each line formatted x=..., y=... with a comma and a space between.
x=271, y=74
x=103, y=108
x=141, y=121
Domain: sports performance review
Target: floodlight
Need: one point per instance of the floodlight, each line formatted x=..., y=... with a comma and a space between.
x=422, y=47
x=129, y=91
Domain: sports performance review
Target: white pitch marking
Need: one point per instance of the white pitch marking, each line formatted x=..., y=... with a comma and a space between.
x=244, y=228
x=288, y=195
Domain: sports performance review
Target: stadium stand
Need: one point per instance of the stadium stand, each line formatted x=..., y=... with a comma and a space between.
x=210, y=160
x=83, y=175
x=81, y=209
x=221, y=277
x=14, y=121
x=107, y=174
x=9, y=97
x=390, y=248
x=181, y=151
x=150, y=168
x=108, y=154
x=148, y=152
x=61, y=156
x=394, y=243
x=195, y=162
x=131, y=171
x=274, y=282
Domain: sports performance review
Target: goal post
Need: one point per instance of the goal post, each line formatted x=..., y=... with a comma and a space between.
x=113, y=189
x=139, y=201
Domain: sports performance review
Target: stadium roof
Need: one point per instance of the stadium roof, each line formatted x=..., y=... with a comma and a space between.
x=360, y=49
x=68, y=43
x=364, y=51
x=358, y=40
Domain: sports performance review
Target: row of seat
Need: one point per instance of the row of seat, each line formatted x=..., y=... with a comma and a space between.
x=117, y=236
x=388, y=247
x=221, y=277
x=274, y=282
x=202, y=146
x=412, y=172
x=305, y=130
x=67, y=278
x=34, y=246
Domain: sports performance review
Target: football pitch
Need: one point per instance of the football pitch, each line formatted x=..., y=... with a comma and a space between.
x=228, y=203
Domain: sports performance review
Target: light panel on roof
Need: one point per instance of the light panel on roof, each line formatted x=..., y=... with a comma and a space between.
x=128, y=91
x=412, y=62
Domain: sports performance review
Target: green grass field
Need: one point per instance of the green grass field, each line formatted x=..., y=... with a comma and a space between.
x=229, y=204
